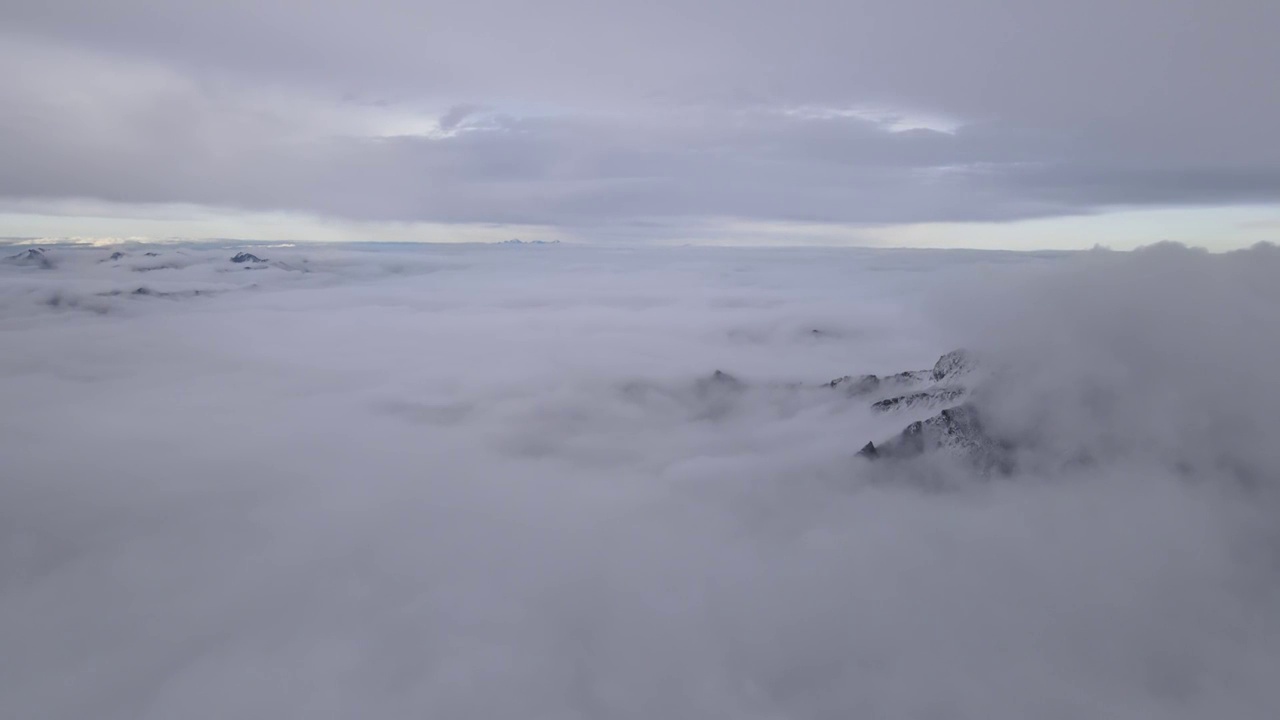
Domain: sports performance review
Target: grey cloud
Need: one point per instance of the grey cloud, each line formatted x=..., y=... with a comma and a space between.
x=456, y=114
x=589, y=171
x=624, y=111
x=386, y=481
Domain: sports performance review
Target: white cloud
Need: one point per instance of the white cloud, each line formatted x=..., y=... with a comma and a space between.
x=455, y=481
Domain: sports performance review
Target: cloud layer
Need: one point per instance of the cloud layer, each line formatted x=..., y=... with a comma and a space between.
x=600, y=116
x=494, y=481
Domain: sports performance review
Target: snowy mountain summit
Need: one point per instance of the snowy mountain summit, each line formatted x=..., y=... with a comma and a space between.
x=31, y=257
x=956, y=428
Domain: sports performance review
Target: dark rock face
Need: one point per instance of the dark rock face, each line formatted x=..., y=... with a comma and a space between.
x=31, y=257
x=936, y=396
x=856, y=386
x=870, y=385
x=957, y=429
x=244, y=257
x=116, y=255
x=913, y=388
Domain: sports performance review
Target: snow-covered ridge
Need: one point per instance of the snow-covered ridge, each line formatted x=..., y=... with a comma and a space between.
x=956, y=428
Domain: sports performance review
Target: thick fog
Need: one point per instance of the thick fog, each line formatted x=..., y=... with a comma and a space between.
x=505, y=481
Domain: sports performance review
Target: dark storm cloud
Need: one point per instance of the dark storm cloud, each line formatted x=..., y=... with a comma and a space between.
x=571, y=113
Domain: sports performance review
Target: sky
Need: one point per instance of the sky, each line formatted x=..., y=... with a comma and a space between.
x=925, y=123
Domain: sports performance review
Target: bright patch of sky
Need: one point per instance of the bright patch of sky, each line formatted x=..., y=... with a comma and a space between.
x=1214, y=228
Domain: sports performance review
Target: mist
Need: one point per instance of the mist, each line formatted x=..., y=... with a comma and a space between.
x=506, y=481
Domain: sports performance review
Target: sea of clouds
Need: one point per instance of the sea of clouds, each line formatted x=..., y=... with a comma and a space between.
x=502, y=481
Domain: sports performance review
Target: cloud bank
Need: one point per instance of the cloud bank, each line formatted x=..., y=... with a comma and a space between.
x=601, y=118
x=504, y=480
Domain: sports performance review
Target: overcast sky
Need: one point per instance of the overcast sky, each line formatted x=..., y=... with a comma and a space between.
x=918, y=123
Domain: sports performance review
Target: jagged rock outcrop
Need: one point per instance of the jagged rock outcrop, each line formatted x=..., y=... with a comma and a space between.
x=956, y=429
x=244, y=257
x=953, y=365
x=941, y=385
x=31, y=257
x=950, y=367
x=931, y=397
x=864, y=385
